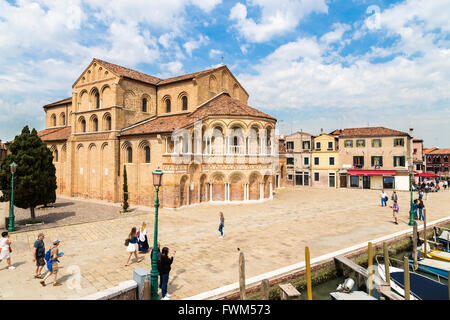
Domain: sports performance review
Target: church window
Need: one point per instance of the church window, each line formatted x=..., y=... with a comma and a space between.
x=95, y=124
x=147, y=154
x=144, y=105
x=83, y=125
x=130, y=154
x=184, y=101
x=108, y=122
x=167, y=105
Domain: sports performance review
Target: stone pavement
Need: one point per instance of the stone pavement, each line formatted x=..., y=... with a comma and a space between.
x=272, y=235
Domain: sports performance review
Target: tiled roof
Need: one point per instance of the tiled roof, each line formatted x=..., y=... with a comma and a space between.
x=55, y=134
x=428, y=150
x=439, y=151
x=221, y=104
x=187, y=76
x=128, y=73
x=57, y=103
x=370, y=132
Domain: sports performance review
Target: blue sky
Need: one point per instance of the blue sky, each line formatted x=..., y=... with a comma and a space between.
x=310, y=63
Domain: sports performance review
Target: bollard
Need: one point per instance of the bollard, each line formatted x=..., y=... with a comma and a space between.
x=265, y=289
x=386, y=263
x=406, y=277
x=415, y=244
x=242, y=276
x=308, y=274
x=370, y=267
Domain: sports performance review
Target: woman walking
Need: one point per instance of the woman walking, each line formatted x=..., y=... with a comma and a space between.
x=221, y=225
x=166, y=263
x=395, y=210
x=142, y=238
x=132, y=246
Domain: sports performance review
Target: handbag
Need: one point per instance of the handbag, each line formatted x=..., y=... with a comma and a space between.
x=127, y=242
x=10, y=250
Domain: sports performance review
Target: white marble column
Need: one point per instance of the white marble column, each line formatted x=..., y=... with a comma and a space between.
x=210, y=192
x=271, y=190
x=261, y=191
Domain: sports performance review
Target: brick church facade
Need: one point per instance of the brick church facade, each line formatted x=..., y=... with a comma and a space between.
x=196, y=127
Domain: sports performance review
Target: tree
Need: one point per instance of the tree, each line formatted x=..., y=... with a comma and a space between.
x=35, y=177
x=125, y=190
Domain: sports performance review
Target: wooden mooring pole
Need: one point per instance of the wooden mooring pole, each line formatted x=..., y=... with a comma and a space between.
x=370, y=267
x=386, y=263
x=414, y=239
x=425, y=232
x=242, y=295
x=406, y=278
x=308, y=274
x=265, y=289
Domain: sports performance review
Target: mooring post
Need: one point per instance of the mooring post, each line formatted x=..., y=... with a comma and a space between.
x=308, y=273
x=386, y=263
x=415, y=244
x=406, y=277
x=425, y=232
x=448, y=286
x=265, y=289
x=241, y=276
x=146, y=289
x=370, y=267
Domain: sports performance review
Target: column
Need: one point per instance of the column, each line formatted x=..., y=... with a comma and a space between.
x=210, y=192
x=270, y=192
x=261, y=191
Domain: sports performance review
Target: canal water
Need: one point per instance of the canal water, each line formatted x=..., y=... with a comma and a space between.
x=322, y=291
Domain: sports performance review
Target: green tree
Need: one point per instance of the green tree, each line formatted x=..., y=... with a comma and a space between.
x=35, y=177
x=125, y=190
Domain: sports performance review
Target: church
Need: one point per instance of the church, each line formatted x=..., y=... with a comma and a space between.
x=197, y=128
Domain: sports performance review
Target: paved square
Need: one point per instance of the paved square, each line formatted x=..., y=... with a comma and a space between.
x=272, y=235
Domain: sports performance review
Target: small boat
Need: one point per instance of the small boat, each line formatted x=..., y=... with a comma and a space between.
x=344, y=292
x=436, y=254
x=421, y=287
x=435, y=267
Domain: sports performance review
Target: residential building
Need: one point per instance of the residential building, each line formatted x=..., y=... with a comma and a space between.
x=298, y=158
x=438, y=162
x=428, y=161
x=325, y=161
x=196, y=127
x=280, y=177
x=419, y=163
x=374, y=158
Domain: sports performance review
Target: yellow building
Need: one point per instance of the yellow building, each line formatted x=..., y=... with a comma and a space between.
x=325, y=161
x=196, y=127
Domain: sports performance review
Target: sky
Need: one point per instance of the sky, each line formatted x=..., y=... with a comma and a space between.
x=312, y=64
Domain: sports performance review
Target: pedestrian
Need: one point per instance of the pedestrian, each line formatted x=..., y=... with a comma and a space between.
x=52, y=256
x=415, y=207
x=142, y=238
x=383, y=197
x=38, y=255
x=395, y=209
x=131, y=243
x=427, y=189
x=5, y=249
x=420, y=194
x=444, y=184
x=166, y=263
x=158, y=261
x=394, y=196
x=221, y=224
x=421, y=206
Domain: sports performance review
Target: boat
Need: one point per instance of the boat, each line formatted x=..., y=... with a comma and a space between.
x=436, y=254
x=434, y=267
x=345, y=292
x=421, y=287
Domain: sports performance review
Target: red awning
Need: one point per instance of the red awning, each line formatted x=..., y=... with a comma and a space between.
x=428, y=175
x=383, y=173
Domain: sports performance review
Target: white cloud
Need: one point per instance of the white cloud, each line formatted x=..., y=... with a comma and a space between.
x=214, y=53
x=277, y=17
x=195, y=44
x=206, y=5
x=170, y=69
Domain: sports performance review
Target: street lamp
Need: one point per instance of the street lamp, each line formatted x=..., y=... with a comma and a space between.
x=13, y=167
x=157, y=178
x=411, y=208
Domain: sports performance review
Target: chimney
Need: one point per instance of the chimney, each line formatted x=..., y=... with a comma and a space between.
x=411, y=131
x=321, y=130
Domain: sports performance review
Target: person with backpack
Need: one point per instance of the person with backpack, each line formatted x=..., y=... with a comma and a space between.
x=39, y=255
x=131, y=243
x=51, y=256
x=166, y=263
x=5, y=249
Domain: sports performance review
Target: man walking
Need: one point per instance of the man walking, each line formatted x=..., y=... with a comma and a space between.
x=52, y=264
x=5, y=250
x=394, y=196
x=38, y=255
x=383, y=197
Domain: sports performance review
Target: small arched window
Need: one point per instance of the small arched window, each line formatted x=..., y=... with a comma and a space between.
x=144, y=105
x=55, y=155
x=130, y=154
x=168, y=106
x=54, y=120
x=63, y=119
x=95, y=124
x=83, y=125
x=108, y=123
x=147, y=154
x=97, y=100
x=184, y=102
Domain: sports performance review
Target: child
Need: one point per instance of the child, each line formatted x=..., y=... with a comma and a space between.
x=395, y=211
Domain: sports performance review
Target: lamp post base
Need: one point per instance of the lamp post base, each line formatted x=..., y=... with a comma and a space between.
x=154, y=295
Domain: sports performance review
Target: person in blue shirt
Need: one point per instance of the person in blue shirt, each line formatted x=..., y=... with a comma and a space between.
x=132, y=246
x=415, y=207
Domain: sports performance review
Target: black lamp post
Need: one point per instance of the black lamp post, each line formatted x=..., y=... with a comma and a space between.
x=157, y=179
x=11, y=227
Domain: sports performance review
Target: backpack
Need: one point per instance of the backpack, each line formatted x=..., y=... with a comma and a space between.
x=47, y=255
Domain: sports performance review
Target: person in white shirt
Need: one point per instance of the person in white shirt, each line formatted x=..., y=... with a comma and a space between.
x=5, y=250
x=142, y=239
x=383, y=196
